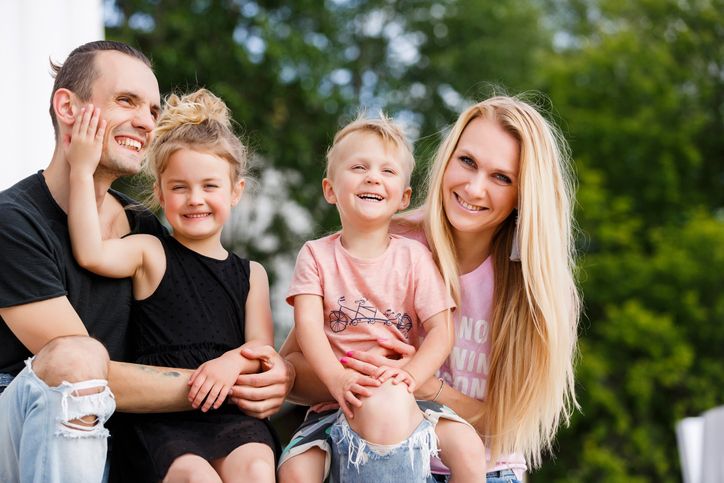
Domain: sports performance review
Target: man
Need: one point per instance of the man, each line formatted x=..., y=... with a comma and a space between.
x=52, y=413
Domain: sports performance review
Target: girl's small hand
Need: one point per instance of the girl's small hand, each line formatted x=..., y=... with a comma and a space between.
x=398, y=375
x=346, y=388
x=83, y=150
x=213, y=380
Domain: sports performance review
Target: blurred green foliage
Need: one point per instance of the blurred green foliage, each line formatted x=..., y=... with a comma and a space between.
x=638, y=88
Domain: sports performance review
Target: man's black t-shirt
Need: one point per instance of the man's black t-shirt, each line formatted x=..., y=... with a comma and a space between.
x=36, y=263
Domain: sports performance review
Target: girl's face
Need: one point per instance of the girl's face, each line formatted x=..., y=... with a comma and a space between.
x=196, y=193
x=480, y=183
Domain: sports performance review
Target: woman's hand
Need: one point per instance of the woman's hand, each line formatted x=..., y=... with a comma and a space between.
x=390, y=353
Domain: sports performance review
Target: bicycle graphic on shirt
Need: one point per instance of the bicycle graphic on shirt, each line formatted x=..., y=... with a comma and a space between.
x=342, y=317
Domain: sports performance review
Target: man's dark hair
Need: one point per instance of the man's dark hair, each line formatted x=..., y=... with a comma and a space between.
x=78, y=72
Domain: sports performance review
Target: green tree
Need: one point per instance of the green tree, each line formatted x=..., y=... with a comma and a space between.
x=639, y=85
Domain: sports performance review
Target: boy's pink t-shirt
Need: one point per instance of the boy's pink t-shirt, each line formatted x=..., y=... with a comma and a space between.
x=367, y=299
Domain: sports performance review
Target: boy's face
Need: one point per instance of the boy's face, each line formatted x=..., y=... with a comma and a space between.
x=367, y=181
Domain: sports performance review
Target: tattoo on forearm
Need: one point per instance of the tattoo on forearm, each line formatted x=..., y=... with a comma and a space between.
x=159, y=370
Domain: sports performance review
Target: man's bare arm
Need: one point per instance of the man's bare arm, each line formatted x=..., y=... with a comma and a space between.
x=37, y=323
x=149, y=389
x=137, y=388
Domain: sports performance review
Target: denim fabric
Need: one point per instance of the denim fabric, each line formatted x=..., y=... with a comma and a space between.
x=502, y=476
x=361, y=461
x=38, y=440
x=5, y=380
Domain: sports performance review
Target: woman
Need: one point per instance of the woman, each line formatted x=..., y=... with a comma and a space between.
x=498, y=220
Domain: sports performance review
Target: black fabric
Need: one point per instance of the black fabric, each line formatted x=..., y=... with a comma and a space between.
x=196, y=314
x=38, y=264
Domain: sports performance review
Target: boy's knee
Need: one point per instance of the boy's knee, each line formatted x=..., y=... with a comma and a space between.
x=71, y=359
x=389, y=416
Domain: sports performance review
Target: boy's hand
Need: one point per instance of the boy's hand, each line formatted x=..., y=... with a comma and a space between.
x=213, y=380
x=398, y=375
x=347, y=386
x=83, y=150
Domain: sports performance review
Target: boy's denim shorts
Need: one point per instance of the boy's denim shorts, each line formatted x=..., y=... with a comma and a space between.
x=501, y=476
x=408, y=461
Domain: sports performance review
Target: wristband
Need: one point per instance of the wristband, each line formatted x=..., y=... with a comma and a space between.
x=442, y=383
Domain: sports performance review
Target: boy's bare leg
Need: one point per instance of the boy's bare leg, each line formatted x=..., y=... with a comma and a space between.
x=462, y=450
x=389, y=416
x=307, y=467
x=252, y=462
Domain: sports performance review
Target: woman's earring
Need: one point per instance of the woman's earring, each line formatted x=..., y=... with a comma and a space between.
x=515, y=246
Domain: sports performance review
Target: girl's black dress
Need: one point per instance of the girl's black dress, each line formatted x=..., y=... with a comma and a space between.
x=195, y=315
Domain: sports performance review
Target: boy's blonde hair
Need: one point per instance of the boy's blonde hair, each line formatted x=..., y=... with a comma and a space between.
x=536, y=302
x=390, y=132
x=199, y=121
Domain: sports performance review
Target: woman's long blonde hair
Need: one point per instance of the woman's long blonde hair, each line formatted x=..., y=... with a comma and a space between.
x=536, y=303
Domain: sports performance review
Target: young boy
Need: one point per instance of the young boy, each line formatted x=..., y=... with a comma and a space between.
x=354, y=287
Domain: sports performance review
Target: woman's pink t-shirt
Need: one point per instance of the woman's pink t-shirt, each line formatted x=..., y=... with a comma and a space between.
x=468, y=365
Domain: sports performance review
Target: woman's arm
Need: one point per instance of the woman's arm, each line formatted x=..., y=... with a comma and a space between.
x=308, y=389
x=434, y=349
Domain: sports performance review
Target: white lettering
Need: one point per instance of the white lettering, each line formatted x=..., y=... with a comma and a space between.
x=466, y=360
x=477, y=388
x=465, y=331
x=481, y=331
x=461, y=384
x=470, y=329
x=483, y=366
x=458, y=356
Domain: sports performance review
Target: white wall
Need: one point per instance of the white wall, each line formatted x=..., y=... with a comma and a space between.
x=31, y=31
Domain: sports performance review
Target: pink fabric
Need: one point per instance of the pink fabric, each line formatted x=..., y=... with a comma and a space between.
x=468, y=365
x=388, y=296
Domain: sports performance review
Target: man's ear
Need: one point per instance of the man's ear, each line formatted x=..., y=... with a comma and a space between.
x=328, y=191
x=65, y=105
x=236, y=191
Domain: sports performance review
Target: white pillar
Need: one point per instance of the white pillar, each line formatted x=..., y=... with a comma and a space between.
x=31, y=32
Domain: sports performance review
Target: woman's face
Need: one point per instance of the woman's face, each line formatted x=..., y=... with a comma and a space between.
x=480, y=183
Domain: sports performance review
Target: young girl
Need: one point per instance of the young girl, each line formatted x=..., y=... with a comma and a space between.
x=196, y=304
x=498, y=219
x=358, y=285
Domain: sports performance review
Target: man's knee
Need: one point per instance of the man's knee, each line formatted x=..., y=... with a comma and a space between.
x=71, y=359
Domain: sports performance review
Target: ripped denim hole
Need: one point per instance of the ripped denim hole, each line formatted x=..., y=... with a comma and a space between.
x=423, y=440
x=74, y=408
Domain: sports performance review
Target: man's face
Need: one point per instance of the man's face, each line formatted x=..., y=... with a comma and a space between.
x=126, y=90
